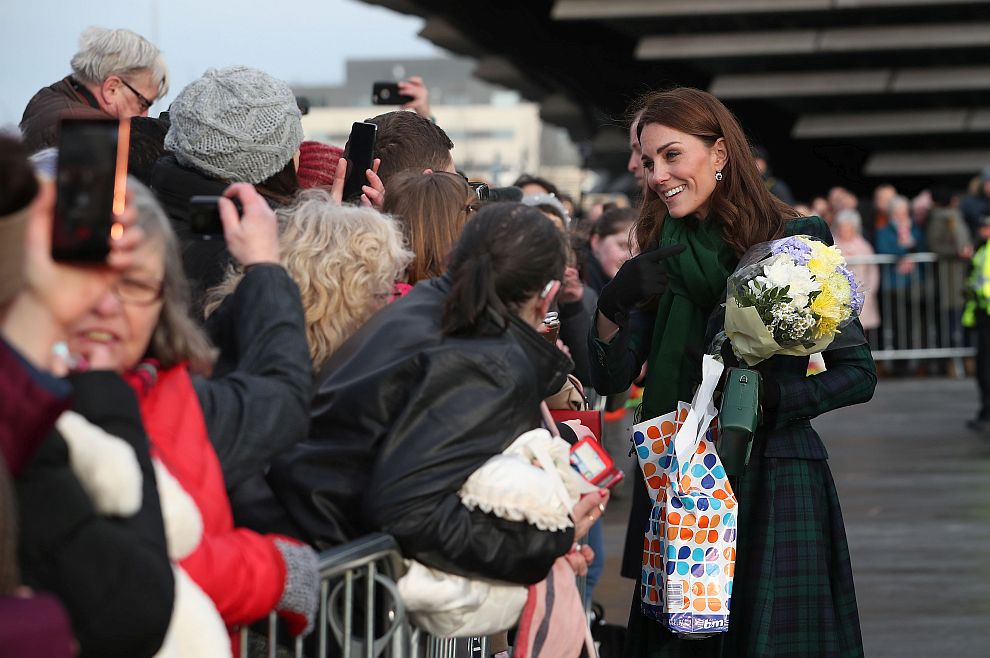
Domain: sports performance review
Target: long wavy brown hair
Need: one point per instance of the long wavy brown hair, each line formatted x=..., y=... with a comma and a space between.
x=741, y=203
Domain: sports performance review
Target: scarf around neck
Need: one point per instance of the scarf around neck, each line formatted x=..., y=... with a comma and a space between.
x=696, y=282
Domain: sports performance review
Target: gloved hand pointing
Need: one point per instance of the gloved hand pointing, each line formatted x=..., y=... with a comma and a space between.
x=638, y=279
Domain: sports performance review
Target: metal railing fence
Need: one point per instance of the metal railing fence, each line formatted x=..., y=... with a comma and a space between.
x=361, y=614
x=920, y=299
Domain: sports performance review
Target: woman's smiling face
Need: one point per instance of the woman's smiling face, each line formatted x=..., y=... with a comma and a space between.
x=680, y=168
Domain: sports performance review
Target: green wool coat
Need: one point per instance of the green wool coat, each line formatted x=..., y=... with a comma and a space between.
x=793, y=593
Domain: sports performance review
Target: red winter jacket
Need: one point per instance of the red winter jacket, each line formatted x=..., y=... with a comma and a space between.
x=241, y=570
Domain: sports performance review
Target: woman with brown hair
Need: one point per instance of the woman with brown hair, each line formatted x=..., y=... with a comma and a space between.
x=432, y=208
x=704, y=206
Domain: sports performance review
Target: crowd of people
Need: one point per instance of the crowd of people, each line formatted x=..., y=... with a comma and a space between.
x=188, y=422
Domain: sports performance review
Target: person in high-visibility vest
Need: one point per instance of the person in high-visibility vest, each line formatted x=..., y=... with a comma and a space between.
x=977, y=315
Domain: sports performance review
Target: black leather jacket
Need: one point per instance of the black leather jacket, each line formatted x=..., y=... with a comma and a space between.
x=402, y=416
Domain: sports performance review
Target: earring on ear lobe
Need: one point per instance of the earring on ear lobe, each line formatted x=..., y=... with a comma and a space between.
x=718, y=175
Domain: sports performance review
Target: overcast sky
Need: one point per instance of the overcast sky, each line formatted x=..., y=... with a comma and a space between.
x=304, y=41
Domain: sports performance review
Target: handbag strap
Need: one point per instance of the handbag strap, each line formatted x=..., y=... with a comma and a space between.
x=548, y=420
x=542, y=454
x=701, y=412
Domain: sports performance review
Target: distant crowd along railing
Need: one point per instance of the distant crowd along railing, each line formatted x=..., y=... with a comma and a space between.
x=361, y=614
x=920, y=298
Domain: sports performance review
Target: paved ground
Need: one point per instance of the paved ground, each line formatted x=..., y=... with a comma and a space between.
x=915, y=490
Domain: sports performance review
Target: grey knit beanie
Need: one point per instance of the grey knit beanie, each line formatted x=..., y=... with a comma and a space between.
x=237, y=123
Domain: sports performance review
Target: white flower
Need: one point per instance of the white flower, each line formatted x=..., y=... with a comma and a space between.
x=782, y=271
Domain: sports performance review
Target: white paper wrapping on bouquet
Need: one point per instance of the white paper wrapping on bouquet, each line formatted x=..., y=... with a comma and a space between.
x=792, y=296
x=753, y=342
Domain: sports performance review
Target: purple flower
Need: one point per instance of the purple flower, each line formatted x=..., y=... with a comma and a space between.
x=856, y=295
x=797, y=250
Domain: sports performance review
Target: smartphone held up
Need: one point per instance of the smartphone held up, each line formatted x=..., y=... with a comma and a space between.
x=204, y=216
x=387, y=93
x=91, y=187
x=360, y=154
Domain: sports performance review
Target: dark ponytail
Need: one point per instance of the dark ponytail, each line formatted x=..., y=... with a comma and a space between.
x=506, y=254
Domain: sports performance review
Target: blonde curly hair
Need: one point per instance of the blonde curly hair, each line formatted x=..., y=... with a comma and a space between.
x=345, y=261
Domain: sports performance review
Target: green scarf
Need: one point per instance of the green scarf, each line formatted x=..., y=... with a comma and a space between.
x=696, y=283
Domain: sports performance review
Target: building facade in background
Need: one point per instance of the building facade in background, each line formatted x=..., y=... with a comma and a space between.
x=496, y=134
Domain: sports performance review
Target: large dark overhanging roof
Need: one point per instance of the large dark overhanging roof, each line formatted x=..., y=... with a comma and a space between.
x=841, y=92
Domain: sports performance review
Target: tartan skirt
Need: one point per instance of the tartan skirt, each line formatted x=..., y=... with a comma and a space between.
x=793, y=591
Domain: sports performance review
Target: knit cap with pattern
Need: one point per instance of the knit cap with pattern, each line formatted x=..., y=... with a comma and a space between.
x=236, y=123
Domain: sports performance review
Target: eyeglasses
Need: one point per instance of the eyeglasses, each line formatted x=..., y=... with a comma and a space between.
x=145, y=103
x=133, y=291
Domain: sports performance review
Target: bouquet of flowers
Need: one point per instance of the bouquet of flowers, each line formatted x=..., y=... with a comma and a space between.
x=790, y=296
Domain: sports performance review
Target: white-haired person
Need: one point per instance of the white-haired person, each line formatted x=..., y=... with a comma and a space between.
x=847, y=228
x=115, y=74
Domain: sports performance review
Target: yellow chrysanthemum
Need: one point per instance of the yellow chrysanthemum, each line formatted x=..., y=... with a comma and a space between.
x=838, y=285
x=820, y=268
x=826, y=327
x=825, y=305
x=824, y=259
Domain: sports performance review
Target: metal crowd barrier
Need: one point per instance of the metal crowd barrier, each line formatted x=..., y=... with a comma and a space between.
x=920, y=310
x=359, y=601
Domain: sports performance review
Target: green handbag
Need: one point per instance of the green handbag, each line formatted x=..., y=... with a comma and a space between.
x=738, y=418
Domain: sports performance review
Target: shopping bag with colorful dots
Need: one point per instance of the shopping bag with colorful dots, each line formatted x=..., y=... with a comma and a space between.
x=689, y=550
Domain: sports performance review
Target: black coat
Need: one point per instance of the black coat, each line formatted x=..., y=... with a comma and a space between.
x=402, y=416
x=112, y=574
x=256, y=403
x=204, y=260
x=575, y=324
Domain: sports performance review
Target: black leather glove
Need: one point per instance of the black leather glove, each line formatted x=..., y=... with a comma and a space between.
x=638, y=279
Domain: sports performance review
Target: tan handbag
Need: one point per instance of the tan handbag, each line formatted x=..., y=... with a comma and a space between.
x=569, y=397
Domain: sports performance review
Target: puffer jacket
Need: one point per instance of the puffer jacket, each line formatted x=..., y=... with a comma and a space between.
x=402, y=416
x=65, y=98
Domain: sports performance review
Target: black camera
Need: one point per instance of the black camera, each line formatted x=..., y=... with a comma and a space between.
x=486, y=193
x=204, y=216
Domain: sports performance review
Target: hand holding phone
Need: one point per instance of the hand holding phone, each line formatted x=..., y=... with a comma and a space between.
x=204, y=216
x=251, y=234
x=589, y=458
x=588, y=510
x=387, y=93
x=91, y=187
x=360, y=154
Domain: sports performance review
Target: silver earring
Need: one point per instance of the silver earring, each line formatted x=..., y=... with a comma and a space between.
x=718, y=175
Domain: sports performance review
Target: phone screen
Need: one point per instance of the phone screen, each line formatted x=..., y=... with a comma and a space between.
x=360, y=155
x=586, y=460
x=91, y=184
